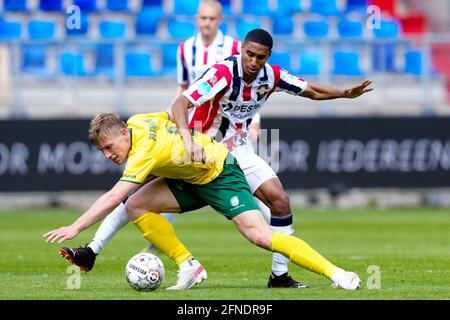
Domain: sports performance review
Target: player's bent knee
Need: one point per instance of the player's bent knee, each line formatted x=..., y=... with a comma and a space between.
x=280, y=205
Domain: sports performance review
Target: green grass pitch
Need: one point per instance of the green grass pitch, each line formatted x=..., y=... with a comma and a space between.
x=409, y=246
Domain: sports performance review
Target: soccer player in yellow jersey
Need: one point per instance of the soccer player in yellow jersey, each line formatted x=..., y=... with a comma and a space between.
x=153, y=146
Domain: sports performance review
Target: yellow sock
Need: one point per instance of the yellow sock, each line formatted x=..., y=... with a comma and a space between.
x=300, y=253
x=161, y=234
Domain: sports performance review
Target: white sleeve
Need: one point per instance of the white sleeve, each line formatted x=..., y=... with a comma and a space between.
x=290, y=83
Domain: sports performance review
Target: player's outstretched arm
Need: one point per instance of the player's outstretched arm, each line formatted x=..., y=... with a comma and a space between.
x=100, y=209
x=323, y=92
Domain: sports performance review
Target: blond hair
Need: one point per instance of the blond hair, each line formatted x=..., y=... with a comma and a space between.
x=102, y=125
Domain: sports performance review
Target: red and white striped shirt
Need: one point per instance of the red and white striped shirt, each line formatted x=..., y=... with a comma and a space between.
x=225, y=104
x=193, y=57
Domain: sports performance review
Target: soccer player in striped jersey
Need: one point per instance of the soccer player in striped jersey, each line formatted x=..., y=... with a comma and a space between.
x=222, y=104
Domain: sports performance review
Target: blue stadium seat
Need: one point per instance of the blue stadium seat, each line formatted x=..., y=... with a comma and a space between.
x=15, y=5
x=83, y=28
x=383, y=55
x=50, y=5
x=117, y=5
x=34, y=60
x=324, y=7
x=256, y=7
x=147, y=21
x=180, y=29
x=309, y=64
x=224, y=27
x=346, y=63
x=112, y=29
x=244, y=26
x=9, y=29
x=185, y=7
x=283, y=25
x=41, y=29
x=388, y=29
x=289, y=7
x=86, y=5
x=138, y=64
x=413, y=62
x=226, y=6
x=357, y=5
x=315, y=29
x=169, y=59
x=72, y=64
x=104, y=60
x=282, y=59
x=152, y=3
x=350, y=28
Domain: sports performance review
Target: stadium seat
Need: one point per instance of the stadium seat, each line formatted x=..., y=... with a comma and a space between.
x=283, y=25
x=15, y=5
x=112, y=29
x=383, y=55
x=147, y=21
x=282, y=59
x=346, y=63
x=289, y=7
x=324, y=7
x=138, y=64
x=244, y=26
x=169, y=59
x=414, y=24
x=9, y=29
x=117, y=5
x=185, y=7
x=152, y=4
x=104, y=60
x=72, y=64
x=350, y=28
x=50, y=5
x=256, y=7
x=86, y=5
x=180, y=29
x=34, y=60
x=387, y=7
x=224, y=27
x=388, y=29
x=315, y=29
x=413, y=62
x=83, y=29
x=226, y=7
x=309, y=64
x=357, y=5
x=41, y=29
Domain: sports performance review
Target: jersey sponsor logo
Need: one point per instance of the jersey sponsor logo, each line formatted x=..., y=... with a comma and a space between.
x=172, y=130
x=234, y=201
x=204, y=88
x=212, y=81
x=261, y=91
x=242, y=108
x=151, y=129
x=129, y=176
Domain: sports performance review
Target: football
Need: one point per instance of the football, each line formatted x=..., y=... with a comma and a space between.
x=144, y=272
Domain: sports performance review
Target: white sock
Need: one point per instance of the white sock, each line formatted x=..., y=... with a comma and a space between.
x=264, y=209
x=170, y=217
x=280, y=262
x=109, y=227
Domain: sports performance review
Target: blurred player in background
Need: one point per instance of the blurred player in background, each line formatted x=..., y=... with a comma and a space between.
x=152, y=145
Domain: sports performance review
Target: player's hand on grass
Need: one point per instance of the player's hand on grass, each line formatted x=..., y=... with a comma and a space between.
x=358, y=90
x=61, y=234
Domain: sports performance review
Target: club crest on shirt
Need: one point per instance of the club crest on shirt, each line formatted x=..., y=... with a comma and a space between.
x=204, y=88
x=261, y=91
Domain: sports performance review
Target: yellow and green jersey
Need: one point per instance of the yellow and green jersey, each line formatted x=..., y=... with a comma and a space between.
x=157, y=148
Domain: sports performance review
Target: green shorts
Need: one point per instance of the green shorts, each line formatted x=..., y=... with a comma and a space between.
x=229, y=193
